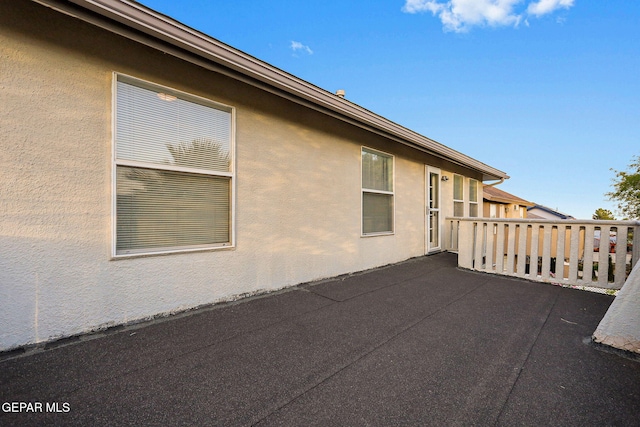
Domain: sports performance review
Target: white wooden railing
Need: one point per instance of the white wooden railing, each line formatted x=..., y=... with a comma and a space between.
x=572, y=252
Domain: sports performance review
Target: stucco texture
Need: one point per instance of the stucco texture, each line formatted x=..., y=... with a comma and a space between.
x=298, y=194
x=620, y=327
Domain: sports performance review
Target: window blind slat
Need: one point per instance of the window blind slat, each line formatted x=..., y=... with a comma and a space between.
x=473, y=190
x=157, y=209
x=377, y=213
x=377, y=171
x=171, y=131
x=457, y=187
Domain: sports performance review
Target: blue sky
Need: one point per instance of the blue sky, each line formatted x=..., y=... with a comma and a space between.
x=546, y=90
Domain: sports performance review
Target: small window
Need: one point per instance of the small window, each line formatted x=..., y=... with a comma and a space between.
x=473, y=198
x=458, y=196
x=377, y=192
x=173, y=170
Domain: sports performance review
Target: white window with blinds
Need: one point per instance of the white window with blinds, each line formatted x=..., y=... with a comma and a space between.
x=377, y=192
x=174, y=170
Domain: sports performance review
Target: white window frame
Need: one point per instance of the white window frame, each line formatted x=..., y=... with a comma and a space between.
x=472, y=203
x=115, y=162
x=366, y=190
x=464, y=208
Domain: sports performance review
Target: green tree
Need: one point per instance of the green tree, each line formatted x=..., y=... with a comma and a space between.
x=202, y=153
x=626, y=190
x=605, y=214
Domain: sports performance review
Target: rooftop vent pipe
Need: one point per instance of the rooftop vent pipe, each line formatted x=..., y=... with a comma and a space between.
x=340, y=93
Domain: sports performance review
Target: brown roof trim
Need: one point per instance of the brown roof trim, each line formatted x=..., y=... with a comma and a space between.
x=493, y=194
x=140, y=23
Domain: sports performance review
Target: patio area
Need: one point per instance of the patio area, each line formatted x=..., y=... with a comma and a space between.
x=416, y=343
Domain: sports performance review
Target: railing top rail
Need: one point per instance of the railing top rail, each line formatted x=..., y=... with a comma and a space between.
x=547, y=221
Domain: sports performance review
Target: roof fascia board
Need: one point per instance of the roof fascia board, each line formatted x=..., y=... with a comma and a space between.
x=213, y=66
x=506, y=199
x=178, y=38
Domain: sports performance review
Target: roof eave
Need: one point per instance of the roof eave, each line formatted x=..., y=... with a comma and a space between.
x=495, y=199
x=153, y=24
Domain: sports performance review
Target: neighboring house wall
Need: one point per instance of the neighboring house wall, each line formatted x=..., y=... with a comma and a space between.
x=546, y=213
x=539, y=213
x=503, y=210
x=298, y=187
x=500, y=204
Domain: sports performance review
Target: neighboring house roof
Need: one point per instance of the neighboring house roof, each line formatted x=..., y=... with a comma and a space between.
x=144, y=25
x=493, y=194
x=534, y=216
x=549, y=211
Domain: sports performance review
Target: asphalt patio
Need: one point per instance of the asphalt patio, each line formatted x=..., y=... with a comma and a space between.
x=418, y=343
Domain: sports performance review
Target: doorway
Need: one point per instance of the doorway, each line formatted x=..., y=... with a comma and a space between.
x=433, y=219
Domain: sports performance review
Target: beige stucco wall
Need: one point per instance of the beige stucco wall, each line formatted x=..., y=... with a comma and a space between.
x=620, y=327
x=298, y=188
x=504, y=210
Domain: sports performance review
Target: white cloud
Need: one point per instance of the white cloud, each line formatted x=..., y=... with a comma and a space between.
x=542, y=7
x=297, y=46
x=461, y=15
x=415, y=6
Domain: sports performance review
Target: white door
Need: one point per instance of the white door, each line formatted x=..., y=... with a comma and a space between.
x=433, y=217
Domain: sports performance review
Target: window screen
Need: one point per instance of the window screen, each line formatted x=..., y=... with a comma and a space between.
x=473, y=198
x=458, y=194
